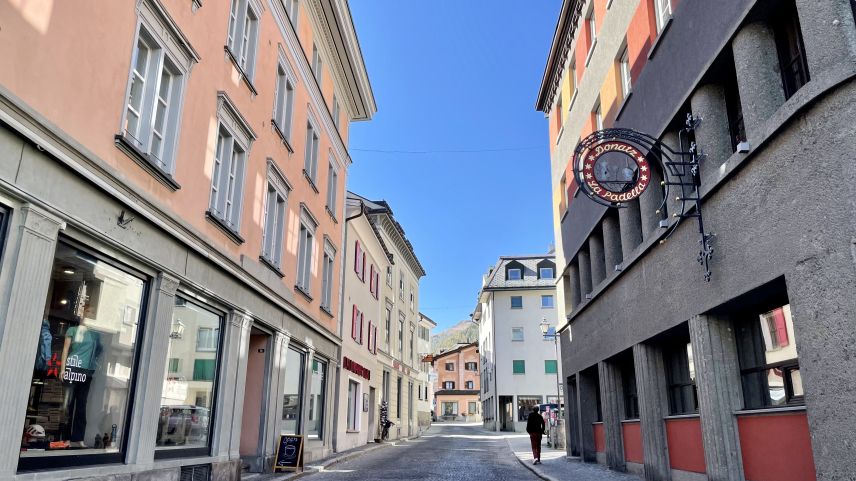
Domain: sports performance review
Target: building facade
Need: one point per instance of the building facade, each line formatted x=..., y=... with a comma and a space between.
x=424, y=388
x=739, y=377
x=397, y=357
x=519, y=365
x=456, y=392
x=171, y=215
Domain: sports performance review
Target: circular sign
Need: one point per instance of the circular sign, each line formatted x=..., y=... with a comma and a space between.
x=613, y=171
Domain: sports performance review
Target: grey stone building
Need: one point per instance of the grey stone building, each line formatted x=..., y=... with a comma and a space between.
x=749, y=375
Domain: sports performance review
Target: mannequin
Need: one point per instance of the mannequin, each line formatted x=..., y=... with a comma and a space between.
x=79, y=361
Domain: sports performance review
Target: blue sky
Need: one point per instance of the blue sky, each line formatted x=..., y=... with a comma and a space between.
x=457, y=76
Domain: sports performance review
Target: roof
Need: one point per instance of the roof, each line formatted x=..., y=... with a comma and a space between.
x=496, y=278
x=423, y=317
x=456, y=392
x=562, y=38
x=440, y=355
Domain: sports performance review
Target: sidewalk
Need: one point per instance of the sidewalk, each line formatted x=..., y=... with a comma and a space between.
x=323, y=464
x=556, y=466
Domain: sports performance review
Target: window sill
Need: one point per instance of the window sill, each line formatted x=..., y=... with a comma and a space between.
x=629, y=421
x=591, y=52
x=270, y=265
x=332, y=215
x=351, y=431
x=311, y=182
x=561, y=131
x=230, y=233
x=281, y=135
x=326, y=310
x=244, y=76
x=659, y=38
x=775, y=410
x=143, y=160
x=302, y=291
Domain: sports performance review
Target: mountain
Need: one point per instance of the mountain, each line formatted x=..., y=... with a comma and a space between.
x=464, y=331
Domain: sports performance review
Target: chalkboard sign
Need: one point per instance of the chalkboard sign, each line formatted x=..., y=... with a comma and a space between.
x=289, y=453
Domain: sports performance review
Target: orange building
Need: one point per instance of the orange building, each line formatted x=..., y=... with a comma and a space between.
x=172, y=185
x=456, y=389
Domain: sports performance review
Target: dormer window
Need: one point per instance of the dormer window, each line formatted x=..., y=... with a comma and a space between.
x=514, y=274
x=514, y=271
x=546, y=269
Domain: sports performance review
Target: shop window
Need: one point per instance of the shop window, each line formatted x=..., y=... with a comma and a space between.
x=450, y=408
x=85, y=359
x=525, y=405
x=185, y=410
x=769, y=366
x=292, y=397
x=680, y=377
x=789, y=43
x=353, y=406
x=317, y=397
x=631, y=398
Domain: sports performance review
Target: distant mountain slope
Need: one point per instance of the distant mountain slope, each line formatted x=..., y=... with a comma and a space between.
x=464, y=331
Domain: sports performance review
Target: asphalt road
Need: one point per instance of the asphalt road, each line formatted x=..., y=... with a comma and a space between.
x=444, y=453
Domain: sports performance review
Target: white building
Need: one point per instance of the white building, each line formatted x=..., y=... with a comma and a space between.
x=519, y=367
x=425, y=390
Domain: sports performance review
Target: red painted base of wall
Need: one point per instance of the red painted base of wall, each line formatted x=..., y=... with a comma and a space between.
x=776, y=447
x=632, y=434
x=599, y=438
x=686, y=448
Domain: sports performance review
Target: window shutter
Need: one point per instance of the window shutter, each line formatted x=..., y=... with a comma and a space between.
x=363, y=269
x=781, y=327
x=354, y=323
x=374, y=348
x=361, y=328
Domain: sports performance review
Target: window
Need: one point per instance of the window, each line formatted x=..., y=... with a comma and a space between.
x=317, y=64
x=547, y=301
x=243, y=35
x=516, y=302
x=388, y=326
x=450, y=366
x=356, y=325
x=230, y=156
x=372, y=344
x=769, y=366
x=662, y=12
x=284, y=100
x=518, y=367
x=472, y=406
x=514, y=274
x=317, y=397
x=389, y=276
x=412, y=299
x=591, y=32
x=310, y=160
x=206, y=338
x=624, y=70
x=353, y=405
x=174, y=366
x=597, y=116
x=546, y=273
x=4, y=215
x=332, y=187
x=517, y=334
x=412, y=350
x=680, y=377
x=159, y=65
x=468, y=385
x=359, y=260
x=84, y=356
x=448, y=385
x=401, y=285
x=734, y=111
x=559, y=112
x=385, y=386
x=525, y=405
x=450, y=408
x=398, y=399
x=203, y=370
x=401, y=336
x=631, y=398
x=327, y=267
x=789, y=43
x=274, y=217
x=291, y=9
x=471, y=366
x=551, y=366
x=292, y=397
x=306, y=236
x=336, y=112
x=375, y=284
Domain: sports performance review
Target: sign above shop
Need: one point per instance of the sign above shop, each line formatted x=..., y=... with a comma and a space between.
x=356, y=368
x=614, y=167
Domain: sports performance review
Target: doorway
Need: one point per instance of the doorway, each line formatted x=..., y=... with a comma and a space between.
x=506, y=413
x=371, y=428
x=253, y=421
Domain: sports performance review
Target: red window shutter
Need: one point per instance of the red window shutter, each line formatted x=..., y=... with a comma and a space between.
x=374, y=350
x=781, y=327
x=361, y=328
x=357, y=258
x=354, y=323
x=363, y=270
x=371, y=279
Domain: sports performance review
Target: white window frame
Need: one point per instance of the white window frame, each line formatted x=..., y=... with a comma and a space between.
x=317, y=64
x=401, y=285
x=354, y=405
x=389, y=276
x=305, y=248
x=275, y=209
x=515, y=338
x=448, y=384
x=337, y=112
x=242, y=36
x=332, y=186
x=168, y=50
x=624, y=72
x=662, y=13
x=310, y=157
x=284, y=98
x=598, y=116
x=552, y=302
x=231, y=151
x=327, y=266
x=292, y=9
x=541, y=273
x=592, y=25
x=515, y=269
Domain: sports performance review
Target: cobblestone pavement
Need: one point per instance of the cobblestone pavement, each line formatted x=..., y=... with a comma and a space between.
x=556, y=466
x=446, y=452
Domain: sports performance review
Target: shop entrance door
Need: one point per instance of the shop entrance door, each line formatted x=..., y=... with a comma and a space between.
x=254, y=420
x=506, y=413
x=372, y=428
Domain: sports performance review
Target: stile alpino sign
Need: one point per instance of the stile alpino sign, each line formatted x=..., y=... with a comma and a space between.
x=615, y=166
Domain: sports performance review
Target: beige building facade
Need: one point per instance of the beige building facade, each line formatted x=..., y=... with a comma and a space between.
x=172, y=185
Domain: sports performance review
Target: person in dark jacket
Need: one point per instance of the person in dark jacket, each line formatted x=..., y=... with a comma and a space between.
x=535, y=428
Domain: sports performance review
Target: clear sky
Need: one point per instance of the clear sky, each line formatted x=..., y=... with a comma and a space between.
x=459, y=76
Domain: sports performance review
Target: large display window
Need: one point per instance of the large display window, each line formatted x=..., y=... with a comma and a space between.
x=190, y=380
x=84, y=369
x=317, y=390
x=292, y=395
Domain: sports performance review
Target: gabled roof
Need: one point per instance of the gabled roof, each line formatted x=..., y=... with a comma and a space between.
x=496, y=278
x=438, y=356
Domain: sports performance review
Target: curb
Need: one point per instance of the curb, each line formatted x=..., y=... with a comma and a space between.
x=528, y=466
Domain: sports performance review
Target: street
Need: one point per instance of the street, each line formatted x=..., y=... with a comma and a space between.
x=445, y=452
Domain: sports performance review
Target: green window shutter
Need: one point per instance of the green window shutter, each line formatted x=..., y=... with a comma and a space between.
x=519, y=367
x=551, y=367
x=203, y=369
x=173, y=364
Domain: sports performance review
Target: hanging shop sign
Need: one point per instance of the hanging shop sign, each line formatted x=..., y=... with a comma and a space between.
x=615, y=166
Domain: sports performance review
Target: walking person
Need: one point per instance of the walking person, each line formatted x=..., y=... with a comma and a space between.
x=535, y=427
